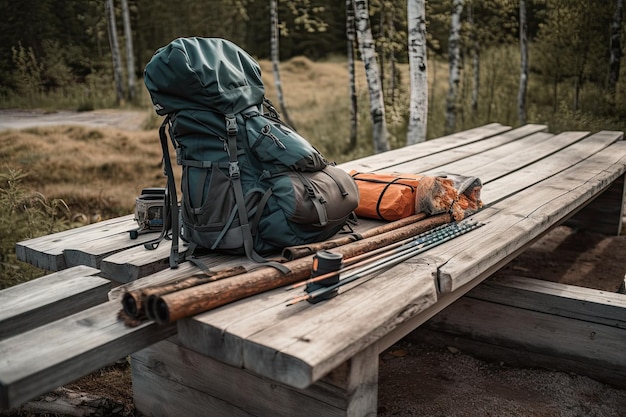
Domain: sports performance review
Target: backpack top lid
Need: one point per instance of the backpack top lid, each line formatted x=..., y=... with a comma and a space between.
x=203, y=73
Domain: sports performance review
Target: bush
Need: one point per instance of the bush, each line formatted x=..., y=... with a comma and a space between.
x=25, y=215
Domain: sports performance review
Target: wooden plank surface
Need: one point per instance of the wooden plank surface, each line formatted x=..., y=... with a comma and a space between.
x=516, y=222
x=387, y=160
x=42, y=300
x=503, y=186
x=504, y=144
x=46, y=252
x=40, y=360
x=496, y=163
x=299, y=344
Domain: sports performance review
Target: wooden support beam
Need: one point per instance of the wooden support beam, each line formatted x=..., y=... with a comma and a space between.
x=194, y=385
x=528, y=322
x=605, y=213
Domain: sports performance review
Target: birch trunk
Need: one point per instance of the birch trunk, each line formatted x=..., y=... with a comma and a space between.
x=274, y=46
x=616, y=47
x=372, y=71
x=454, y=56
x=130, y=55
x=350, y=36
x=418, y=72
x=115, y=50
x=523, y=79
x=475, y=51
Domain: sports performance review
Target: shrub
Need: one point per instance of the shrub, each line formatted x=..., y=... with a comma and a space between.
x=25, y=215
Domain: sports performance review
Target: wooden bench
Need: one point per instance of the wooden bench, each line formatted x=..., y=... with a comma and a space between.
x=257, y=356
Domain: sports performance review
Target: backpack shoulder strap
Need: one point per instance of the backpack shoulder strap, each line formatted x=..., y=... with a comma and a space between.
x=170, y=206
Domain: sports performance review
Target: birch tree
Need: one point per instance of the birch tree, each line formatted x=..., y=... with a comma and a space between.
x=475, y=53
x=274, y=47
x=615, y=47
x=350, y=36
x=130, y=55
x=115, y=50
x=372, y=71
x=418, y=104
x=523, y=79
x=454, y=58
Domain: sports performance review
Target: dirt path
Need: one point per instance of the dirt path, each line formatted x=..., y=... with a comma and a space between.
x=23, y=119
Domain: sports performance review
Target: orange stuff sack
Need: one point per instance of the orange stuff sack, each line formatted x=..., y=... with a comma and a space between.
x=386, y=196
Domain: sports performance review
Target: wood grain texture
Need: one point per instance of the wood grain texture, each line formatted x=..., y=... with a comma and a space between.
x=46, y=252
x=213, y=388
x=516, y=222
x=37, y=361
x=387, y=160
x=534, y=330
x=297, y=345
x=34, y=303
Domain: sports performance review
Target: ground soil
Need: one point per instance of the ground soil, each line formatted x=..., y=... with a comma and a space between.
x=418, y=379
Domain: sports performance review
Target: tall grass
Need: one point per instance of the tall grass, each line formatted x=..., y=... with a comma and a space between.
x=25, y=214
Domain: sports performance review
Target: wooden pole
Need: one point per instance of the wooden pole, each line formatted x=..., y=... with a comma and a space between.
x=295, y=252
x=191, y=301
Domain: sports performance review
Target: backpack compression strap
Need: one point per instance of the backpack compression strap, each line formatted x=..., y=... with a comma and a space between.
x=235, y=177
x=171, y=202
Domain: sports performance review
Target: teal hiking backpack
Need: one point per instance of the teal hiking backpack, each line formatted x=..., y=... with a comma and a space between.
x=250, y=184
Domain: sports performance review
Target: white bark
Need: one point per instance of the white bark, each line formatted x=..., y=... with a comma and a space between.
x=523, y=79
x=130, y=55
x=418, y=73
x=615, y=48
x=274, y=42
x=115, y=49
x=372, y=71
x=350, y=36
x=454, y=57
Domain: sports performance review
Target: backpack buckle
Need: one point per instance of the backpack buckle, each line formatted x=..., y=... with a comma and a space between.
x=233, y=169
x=231, y=125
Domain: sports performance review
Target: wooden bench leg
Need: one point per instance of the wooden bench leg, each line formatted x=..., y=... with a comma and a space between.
x=171, y=380
x=604, y=214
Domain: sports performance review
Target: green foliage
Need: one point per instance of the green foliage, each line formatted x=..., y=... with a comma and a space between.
x=25, y=215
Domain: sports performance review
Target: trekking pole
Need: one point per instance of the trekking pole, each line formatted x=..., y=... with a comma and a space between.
x=389, y=262
x=376, y=254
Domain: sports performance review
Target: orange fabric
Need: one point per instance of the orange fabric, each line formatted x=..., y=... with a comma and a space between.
x=386, y=196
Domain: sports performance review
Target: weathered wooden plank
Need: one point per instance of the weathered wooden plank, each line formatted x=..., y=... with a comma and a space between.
x=504, y=144
x=37, y=361
x=503, y=186
x=213, y=388
x=496, y=163
x=299, y=347
x=525, y=329
x=517, y=221
x=134, y=263
x=569, y=301
x=51, y=297
x=91, y=252
x=46, y=252
x=387, y=160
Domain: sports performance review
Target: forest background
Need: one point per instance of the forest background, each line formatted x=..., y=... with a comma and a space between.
x=56, y=55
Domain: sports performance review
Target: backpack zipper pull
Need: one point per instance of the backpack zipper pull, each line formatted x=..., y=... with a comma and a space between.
x=267, y=131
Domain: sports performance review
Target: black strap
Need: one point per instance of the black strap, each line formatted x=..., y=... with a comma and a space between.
x=170, y=208
x=235, y=177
